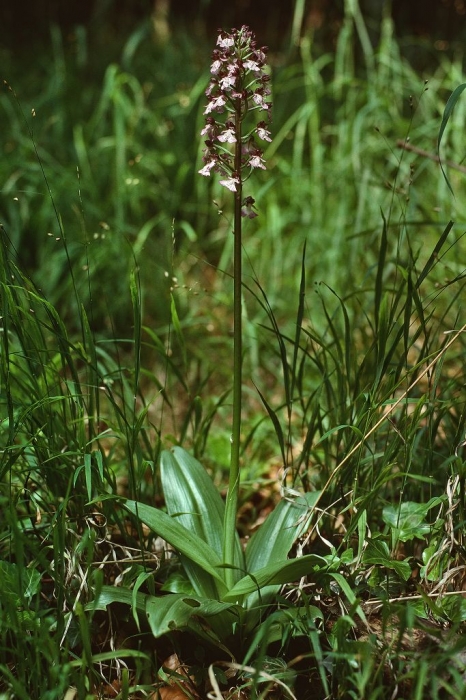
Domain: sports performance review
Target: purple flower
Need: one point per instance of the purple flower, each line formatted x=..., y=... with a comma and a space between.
x=215, y=67
x=258, y=97
x=216, y=104
x=256, y=161
x=210, y=129
x=247, y=209
x=225, y=41
x=230, y=183
x=262, y=132
x=252, y=65
x=228, y=136
x=238, y=87
x=227, y=82
x=207, y=168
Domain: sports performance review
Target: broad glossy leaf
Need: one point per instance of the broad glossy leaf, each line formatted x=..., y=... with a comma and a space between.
x=183, y=478
x=177, y=582
x=377, y=552
x=114, y=594
x=174, y=611
x=192, y=498
x=272, y=542
x=408, y=518
x=193, y=501
x=435, y=562
x=183, y=540
x=275, y=537
x=277, y=573
x=199, y=579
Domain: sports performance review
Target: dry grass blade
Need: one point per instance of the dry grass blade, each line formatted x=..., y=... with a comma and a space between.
x=406, y=146
x=260, y=675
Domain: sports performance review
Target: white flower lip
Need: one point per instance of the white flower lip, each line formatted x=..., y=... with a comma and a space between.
x=230, y=183
x=227, y=136
x=256, y=162
x=207, y=168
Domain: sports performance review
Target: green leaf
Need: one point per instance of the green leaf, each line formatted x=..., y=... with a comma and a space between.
x=434, y=257
x=435, y=562
x=194, y=502
x=347, y=590
x=272, y=542
x=402, y=568
x=299, y=321
x=337, y=428
x=454, y=607
x=114, y=594
x=178, y=329
x=408, y=519
x=88, y=474
x=177, y=582
x=18, y=584
x=452, y=100
x=377, y=552
x=176, y=611
x=183, y=540
x=142, y=578
x=277, y=573
x=275, y=537
x=109, y=655
x=135, y=290
x=276, y=423
x=192, y=498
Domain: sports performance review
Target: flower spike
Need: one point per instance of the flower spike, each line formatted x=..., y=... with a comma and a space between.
x=238, y=86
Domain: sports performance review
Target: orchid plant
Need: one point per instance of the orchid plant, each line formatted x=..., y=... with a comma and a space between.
x=225, y=588
x=238, y=89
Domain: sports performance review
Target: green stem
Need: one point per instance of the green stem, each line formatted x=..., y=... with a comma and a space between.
x=229, y=530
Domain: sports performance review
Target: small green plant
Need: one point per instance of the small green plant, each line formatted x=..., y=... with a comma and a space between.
x=239, y=87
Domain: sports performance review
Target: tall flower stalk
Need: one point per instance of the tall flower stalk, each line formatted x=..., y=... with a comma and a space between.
x=239, y=90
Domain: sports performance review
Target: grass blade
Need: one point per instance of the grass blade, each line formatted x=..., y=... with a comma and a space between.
x=452, y=100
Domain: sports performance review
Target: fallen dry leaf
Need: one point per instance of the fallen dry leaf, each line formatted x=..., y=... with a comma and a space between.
x=170, y=692
x=175, y=688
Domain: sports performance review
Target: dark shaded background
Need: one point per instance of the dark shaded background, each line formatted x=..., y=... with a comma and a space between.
x=24, y=25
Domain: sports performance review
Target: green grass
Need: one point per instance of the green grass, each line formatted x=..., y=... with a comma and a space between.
x=116, y=343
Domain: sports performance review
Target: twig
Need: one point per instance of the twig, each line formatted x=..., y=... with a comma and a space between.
x=405, y=598
x=425, y=154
